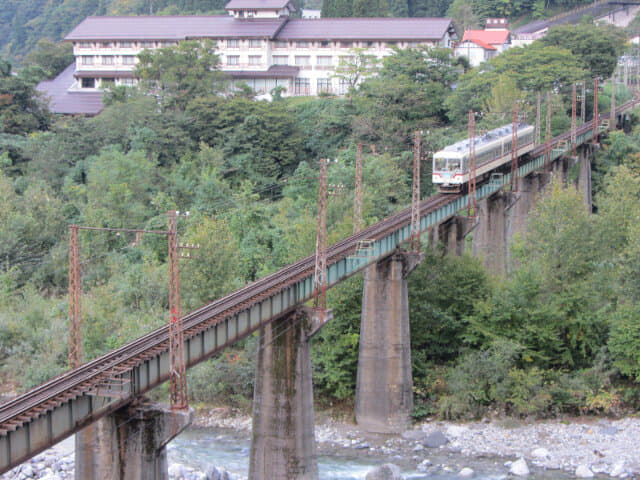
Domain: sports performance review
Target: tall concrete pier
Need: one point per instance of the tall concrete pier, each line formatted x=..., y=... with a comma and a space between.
x=384, y=396
x=283, y=445
x=130, y=444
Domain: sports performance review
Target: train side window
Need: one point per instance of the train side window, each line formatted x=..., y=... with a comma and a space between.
x=454, y=164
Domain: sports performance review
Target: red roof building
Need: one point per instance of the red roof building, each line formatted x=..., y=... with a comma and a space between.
x=480, y=45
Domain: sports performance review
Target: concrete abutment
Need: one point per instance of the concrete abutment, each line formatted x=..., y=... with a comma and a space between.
x=384, y=386
x=283, y=444
x=129, y=444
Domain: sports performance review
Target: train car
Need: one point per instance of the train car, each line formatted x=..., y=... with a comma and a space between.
x=493, y=149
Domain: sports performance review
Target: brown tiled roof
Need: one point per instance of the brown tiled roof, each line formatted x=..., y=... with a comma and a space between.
x=173, y=28
x=258, y=4
x=275, y=71
x=103, y=74
x=366, y=29
x=63, y=101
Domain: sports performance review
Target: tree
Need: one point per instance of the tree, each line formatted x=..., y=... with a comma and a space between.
x=178, y=74
x=356, y=66
x=463, y=15
x=534, y=68
x=21, y=108
x=596, y=48
x=52, y=57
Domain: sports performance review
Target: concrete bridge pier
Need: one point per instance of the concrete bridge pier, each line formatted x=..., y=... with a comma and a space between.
x=490, y=240
x=584, y=176
x=129, y=444
x=384, y=388
x=451, y=234
x=283, y=445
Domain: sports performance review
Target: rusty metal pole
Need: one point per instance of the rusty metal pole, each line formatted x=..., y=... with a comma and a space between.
x=583, y=103
x=538, y=119
x=573, y=119
x=320, y=277
x=357, y=197
x=177, y=371
x=596, y=114
x=415, y=195
x=75, y=300
x=547, y=135
x=514, y=149
x=473, y=199
x=612, y=110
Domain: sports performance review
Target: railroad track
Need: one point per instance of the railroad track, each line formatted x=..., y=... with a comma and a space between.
x=75, y=382
x=83, y=379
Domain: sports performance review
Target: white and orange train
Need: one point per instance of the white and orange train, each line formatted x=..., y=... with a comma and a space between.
x=493, y=149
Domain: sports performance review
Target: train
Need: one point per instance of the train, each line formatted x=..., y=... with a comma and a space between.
x=493, y=149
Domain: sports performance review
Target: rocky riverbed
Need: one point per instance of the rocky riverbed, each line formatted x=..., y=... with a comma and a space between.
x=578, y=448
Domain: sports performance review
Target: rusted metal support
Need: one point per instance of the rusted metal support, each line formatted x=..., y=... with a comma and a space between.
x=75, y=299
x=415, y=195
x=612, y=110
x=596, y=114
x=547, y=136
x=574, y=112
x=357, y=196
x=583, y=103
x=514, y=149
x=177, y=371
x=538, y=119
x=320, y=281
x=473, y=194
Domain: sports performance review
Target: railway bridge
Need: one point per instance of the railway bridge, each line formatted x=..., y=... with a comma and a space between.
x=102, y=395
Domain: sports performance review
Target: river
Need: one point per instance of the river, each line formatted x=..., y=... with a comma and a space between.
x=199, y=447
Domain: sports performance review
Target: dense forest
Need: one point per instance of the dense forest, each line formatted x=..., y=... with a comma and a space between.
x=558, y=334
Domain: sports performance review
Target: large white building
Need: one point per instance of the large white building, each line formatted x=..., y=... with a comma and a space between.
x=258, y=43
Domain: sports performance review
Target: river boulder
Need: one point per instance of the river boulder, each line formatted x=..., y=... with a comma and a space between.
x=388, y=471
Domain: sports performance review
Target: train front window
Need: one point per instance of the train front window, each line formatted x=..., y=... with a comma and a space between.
x=441, y=164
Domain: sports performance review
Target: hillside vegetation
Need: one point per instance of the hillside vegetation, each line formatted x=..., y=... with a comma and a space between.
x=558, y=334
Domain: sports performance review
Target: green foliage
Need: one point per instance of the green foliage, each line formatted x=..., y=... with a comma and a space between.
x=534, y=68
x=52, y=57
x=175, y=75
x=21, y=110
x=597, y=48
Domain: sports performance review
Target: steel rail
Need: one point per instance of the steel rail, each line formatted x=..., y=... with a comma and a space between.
x=73, y=383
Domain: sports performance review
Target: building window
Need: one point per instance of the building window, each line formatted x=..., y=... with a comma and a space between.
x=302, y=44
x=107, y=60
x=106, y=45
x=343, y=86
x=233, y=43
x=255, y=59
x=86, y=45
x=233, y=60
x=324, y=85
x=325, y=61
x=325, y=44
x=281, y=60
x=368, y=44
x=128, y=60
x=126, y=44
x=303, y=60
x=281, y=44
x=127, y=82
x=346, y=44
x=413, y=44
x=88, y=83
x=107, y=82
x=86, y=60
x=391, y=44
x=302, y=86
x=167, y=44
x=147, y=44
x=255, y=43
